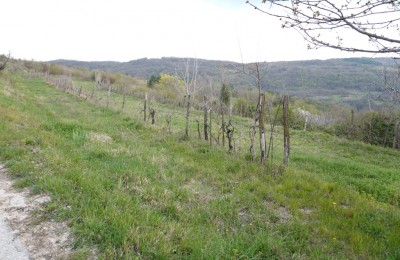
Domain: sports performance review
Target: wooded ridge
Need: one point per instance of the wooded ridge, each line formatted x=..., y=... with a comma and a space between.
x=293, y=76
x=308, y=78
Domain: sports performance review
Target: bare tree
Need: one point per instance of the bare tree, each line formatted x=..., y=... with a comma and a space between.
x=4, y=59
x=391, y=84
x=189, y=78
x=286, y=136
x=323, y=22
x=206, y=110
x=145, y=108
x=263, y=140
x=168, y=119
x=253, y=71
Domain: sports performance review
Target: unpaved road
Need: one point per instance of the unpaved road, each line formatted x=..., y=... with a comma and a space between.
x=10, y=247
x=22, y=236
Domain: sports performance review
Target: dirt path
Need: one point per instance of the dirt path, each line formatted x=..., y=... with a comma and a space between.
x=10, y=247
x=22, y=235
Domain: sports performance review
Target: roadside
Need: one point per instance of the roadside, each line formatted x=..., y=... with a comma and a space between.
x=22, y=235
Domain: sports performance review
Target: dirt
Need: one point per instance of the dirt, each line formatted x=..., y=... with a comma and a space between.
x=103, y=138
x=43, y=238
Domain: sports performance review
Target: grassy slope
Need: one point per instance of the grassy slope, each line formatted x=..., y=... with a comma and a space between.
x=144, y=193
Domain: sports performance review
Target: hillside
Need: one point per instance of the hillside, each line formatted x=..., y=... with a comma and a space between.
x=346, y=80
x=134, y=190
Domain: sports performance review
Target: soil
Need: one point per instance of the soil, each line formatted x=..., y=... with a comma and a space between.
x=32, y=235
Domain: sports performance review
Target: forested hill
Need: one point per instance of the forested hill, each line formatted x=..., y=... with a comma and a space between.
x=301, y=78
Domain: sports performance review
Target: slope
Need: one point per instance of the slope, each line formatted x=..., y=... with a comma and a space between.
x=133, y=190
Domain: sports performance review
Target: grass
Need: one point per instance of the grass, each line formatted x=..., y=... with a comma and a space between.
x=133, y=190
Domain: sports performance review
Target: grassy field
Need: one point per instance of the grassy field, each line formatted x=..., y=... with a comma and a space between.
x=133, y=190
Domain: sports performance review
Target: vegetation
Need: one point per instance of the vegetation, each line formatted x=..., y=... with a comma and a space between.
x=134, y=190
x=352, y=80
x=226, y=95
x=153, y=81
x=4, y=60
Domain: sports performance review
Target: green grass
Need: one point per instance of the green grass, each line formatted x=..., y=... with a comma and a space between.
x=133, y=190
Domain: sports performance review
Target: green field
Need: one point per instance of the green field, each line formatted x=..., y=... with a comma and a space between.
x=134, y=190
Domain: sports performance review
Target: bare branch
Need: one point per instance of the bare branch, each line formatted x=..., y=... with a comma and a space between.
x=318, y=21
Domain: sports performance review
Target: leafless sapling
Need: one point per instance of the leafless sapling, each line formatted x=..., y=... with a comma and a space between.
x=189, y=78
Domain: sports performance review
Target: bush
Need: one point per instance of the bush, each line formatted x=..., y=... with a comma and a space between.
x=376, y=127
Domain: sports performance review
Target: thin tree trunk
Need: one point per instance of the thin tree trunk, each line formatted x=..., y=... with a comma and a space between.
x=230, y=110
x=205, y=119
x=271, y=137
x=123, y=102
x=108, y=96
x=210, y=127
x=252, y=135
x=187, y=118
x=152, y=113
x=223, y=127
x=286, y=136
x=263, y=142
x=229, y=134
x=145, y=108
x=198, y=129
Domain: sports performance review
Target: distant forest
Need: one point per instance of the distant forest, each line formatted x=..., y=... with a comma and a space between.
x=340, y=80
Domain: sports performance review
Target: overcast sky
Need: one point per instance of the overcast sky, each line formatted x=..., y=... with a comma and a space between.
x=123, y=30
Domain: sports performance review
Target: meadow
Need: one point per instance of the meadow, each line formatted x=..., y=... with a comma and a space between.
x=134, y=190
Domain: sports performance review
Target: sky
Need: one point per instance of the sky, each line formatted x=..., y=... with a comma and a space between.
x=124, y=30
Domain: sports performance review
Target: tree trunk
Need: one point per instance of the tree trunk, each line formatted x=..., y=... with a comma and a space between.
x=123, y=102
x=229, y=134
x=145, y=108
x=210, y=127
x=108, y=96
x=286, y=136
x=205, y=119
x=187, y=118
x=252, y=135
x=263, y=142
x=230, y=111
x=223, y=127
x=198, y=129
x=152, y=113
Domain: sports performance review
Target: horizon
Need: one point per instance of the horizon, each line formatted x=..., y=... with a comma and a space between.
x=228, y=30
x=172, y=57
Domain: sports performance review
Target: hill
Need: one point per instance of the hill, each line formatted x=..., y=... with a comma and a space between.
x=134, y=190
x=334, y=79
